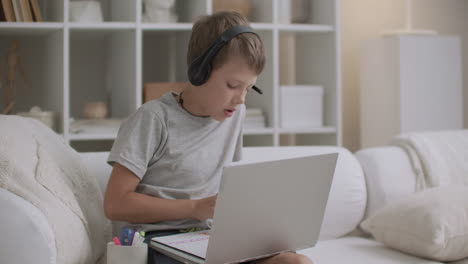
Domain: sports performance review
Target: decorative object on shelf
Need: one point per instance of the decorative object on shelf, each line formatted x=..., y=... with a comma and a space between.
x=243, y=7
x=95, y=126
x=301, y=106
x=408, y=30
x=46, y=117
x=159, y=11
x=85, y=11
x=254, y=118
x=13, y=65
x=95, y=110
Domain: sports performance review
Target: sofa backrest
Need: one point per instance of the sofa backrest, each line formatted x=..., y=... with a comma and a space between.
x=347, y=201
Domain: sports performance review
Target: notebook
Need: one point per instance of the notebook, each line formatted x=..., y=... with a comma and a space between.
x=262, y=209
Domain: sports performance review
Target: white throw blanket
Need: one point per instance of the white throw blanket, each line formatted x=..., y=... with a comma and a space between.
x=36, y=164
x=439, y=158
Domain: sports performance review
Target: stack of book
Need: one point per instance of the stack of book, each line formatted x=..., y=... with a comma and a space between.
x=254, y=118
x=20, y=11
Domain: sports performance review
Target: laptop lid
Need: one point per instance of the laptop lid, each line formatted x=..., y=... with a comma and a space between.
x=270, y=207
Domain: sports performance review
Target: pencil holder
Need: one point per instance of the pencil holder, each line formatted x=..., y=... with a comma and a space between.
x=126, y=254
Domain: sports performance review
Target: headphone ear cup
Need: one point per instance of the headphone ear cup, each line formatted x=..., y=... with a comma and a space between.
x=200, y=70
x=195, y=72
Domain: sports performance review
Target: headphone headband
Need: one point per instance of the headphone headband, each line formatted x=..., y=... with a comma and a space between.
x=200, y=69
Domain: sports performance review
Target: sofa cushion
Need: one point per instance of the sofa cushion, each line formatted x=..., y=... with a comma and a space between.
x=432, y=224
x=358, y=250
x=347, y=200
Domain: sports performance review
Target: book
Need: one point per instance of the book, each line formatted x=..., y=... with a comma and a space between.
x=17, y=9
x=2, y=13
x=186, y=246
x=26, y=11
x=8, y=11
x=36, y=10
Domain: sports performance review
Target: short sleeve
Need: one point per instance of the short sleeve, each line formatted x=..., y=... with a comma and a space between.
x=140, y=140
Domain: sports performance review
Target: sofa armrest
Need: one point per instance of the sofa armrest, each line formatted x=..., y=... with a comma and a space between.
x=388, y=173
x=26, y=235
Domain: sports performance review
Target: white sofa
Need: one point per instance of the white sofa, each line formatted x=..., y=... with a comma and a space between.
x=363, y=182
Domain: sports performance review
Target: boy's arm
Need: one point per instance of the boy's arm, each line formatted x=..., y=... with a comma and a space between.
x=122, y=203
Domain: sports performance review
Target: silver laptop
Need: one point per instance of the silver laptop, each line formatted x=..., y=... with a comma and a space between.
x=262, y=209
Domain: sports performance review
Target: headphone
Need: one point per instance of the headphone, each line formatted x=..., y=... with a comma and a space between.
x=200, y=69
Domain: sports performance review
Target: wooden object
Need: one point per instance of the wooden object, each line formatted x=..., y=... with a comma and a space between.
x=17, y=10
x=36, y=10
x=26, y=11
x=157, y=89
x=8, y=10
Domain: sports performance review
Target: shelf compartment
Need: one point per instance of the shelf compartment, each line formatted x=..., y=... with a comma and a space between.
x=307, y=139
x=189, y=11
x=185, y=11
x=103, y=68
x=321, y=12
x=165, y=56
x=51, y=11
x=316, y=64
x=265, y=82
x=258, y=131
x=256, y=11
x=258, y=140
x=114, y=10
x=41, y=59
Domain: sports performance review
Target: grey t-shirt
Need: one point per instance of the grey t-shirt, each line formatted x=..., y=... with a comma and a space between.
x=175, y=154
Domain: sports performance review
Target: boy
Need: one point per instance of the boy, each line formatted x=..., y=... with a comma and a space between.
x=168, y=156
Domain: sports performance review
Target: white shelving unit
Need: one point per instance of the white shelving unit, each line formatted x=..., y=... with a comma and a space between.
x=72, y=63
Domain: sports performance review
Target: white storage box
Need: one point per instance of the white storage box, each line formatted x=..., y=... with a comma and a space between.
x=117, y=254
x=301, y=106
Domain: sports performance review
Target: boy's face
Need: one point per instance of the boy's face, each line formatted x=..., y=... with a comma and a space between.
x=227, y=87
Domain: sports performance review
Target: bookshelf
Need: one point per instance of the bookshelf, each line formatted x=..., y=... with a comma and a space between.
x=72, y=63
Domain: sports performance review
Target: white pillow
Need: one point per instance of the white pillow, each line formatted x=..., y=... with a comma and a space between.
x=431, y=224
x=347, y=200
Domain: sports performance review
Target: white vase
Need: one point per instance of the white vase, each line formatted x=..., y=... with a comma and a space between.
x=85, y=11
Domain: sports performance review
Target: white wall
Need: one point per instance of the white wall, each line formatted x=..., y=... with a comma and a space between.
x=365, y=19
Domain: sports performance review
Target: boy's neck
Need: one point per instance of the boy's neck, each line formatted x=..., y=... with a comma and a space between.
x=189, y=100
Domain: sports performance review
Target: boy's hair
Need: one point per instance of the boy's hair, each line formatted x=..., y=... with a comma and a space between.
x=208, y=28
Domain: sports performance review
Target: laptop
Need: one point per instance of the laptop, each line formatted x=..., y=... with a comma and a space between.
x=262, y=209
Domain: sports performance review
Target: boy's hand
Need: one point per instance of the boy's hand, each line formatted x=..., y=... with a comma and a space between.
x=204, y=208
